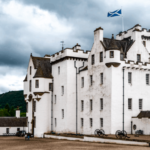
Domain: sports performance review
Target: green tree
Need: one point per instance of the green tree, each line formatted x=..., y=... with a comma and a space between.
x=7, y=107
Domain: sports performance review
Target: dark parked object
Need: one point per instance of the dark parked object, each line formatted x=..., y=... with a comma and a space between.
x=20, y=133
x=100, y=132
x=28, y=136
x=138, y=132
x=121, y=134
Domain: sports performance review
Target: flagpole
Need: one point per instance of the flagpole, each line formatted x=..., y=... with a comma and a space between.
x=122, y=21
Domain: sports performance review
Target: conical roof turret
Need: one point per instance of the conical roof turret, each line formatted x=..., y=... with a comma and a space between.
x=112, y=44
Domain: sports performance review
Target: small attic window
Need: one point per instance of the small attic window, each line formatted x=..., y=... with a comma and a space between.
x=50, y=86
x=138, y=57
x=111, y=54
x=144, y=43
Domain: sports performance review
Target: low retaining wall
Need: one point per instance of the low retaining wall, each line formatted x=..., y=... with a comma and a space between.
x=101, y=140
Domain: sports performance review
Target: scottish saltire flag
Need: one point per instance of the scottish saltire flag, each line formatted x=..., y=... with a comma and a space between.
x=114, y=13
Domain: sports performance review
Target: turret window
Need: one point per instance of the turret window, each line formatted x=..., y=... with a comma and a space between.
x=111, y=54
x=36, y=83
x=30, y=70
x=30, y=85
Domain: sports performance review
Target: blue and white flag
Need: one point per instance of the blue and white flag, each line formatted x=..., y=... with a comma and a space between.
x=114, y=13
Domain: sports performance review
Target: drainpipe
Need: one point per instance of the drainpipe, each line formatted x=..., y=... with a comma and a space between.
x=52, y=106
x=77, y=96
x=123, y=102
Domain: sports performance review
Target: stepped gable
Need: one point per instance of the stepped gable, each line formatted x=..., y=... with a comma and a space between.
x=43, y=67
x=124, y=44
x=13, y=122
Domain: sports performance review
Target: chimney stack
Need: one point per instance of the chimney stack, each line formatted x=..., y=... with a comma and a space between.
x=18, y=112
x=98, y=34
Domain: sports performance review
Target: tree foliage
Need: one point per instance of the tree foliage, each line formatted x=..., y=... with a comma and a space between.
x=10, y=101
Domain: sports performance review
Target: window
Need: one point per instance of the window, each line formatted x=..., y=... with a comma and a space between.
x=101, y=78
x=101, y=104
x=7, y=130
x=36, y=83
x=34, y=122
x=91, y=79
x=92, y=60
x=58, y=70
x=147, y=79
x=138, y=57
x=30, y=70
x=50, y=86
x=34, y=106
x=111, y=54
x=62, y=113
x=91, y=105
x=140, y=104
x=55, y=99
x=129, y=103
x=121, y=56
x=18, y=129
x=82, y=82
x=30, y=85
x=101, y=56
x=129, y=77
x=101, y=122
x=55, y=122
x=82, y=105
x=91, y=122
x=144, y=43
x=62, y=90
x=26, y=107
x=82, y=123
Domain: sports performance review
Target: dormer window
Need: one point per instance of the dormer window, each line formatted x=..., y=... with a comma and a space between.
x=144, y=43
x=92, y=59
x=111, y=54
x=138, y=57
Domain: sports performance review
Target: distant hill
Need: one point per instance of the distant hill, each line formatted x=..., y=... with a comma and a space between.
x=13, y=98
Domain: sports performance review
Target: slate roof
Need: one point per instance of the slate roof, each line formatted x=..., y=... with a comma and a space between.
x=43, y=66
x=124, y=44
x=144, y=114
x=13, y=122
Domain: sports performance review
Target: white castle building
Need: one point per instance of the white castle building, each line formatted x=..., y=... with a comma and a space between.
x=106, y=88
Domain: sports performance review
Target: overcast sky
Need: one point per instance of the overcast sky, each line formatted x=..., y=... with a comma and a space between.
x=38, y=26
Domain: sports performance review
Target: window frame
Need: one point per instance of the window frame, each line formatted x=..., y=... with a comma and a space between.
x=82, y=105
x=140, y=104
x=55, y=122
x=101, y=56
x=58, y=70
x=130, y=77
x=91, y=105
x=129, y=103
x=55, y=98
x=36, y=83
x=121, y=58
x=101, y=122
x=92, y=59
x=111, y=52
x=101, y=78
x=147, y=79
x=82, y=122
x=34, y=106
x=63, y=114
x=82, y=82
x=139, y=57
x=62, y=90
x=91, y=80
x=30, y=86
x=30, y=70
x=7, y=130
x=50, y=86
x=101, y=104
x=91, y=122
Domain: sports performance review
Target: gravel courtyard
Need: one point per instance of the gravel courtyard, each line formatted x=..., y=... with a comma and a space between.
x=18, y=143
